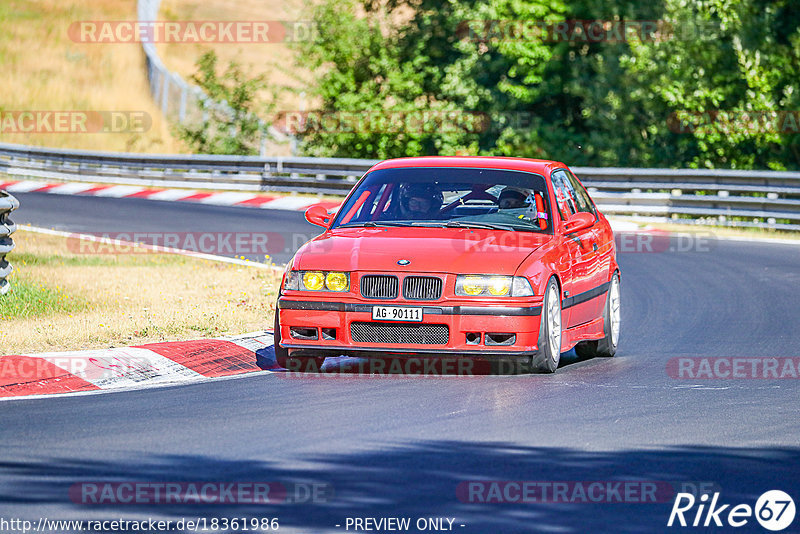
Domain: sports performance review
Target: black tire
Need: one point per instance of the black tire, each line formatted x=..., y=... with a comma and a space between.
x=548, y=356
x=303, y=364
x=607, y=346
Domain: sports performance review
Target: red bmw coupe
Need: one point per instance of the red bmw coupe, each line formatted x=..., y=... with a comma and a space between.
x=501, y=258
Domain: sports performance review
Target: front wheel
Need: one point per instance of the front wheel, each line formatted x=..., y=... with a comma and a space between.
x=607, y=346
x=549, y=354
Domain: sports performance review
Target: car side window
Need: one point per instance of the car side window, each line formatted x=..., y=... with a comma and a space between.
x=581, y=195
x=571, y=196
x=565, y=198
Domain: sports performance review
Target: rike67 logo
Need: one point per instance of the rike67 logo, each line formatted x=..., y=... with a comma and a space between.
x=774, y=510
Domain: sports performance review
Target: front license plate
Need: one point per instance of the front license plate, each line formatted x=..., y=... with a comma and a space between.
x=394, y=313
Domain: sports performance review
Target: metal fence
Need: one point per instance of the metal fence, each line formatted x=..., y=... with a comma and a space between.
x=179, y=100
x=7, y=205
x=764, y=199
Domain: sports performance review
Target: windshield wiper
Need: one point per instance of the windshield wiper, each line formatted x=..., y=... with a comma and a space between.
x=487, y=226
x=374, y=224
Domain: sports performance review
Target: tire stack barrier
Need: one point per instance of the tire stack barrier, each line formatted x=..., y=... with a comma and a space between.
x=7, y=204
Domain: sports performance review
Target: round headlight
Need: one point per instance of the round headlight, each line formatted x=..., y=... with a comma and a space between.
x=499, y=286
x=313, y=280
x=336, y=281
x=473, y=285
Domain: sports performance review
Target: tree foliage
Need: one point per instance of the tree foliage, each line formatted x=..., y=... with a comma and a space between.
x=712, y=87
x=234, y=129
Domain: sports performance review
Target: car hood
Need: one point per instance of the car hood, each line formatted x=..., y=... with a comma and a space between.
x=454, y=250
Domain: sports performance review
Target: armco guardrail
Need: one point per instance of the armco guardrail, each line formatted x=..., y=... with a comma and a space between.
x=244, y=173
x=734, y=198
x=7, y=205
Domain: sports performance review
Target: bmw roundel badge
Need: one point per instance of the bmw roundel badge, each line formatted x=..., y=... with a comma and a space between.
x=403, y=262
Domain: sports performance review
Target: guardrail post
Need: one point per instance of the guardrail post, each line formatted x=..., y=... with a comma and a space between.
x=7, y=205
x=266, y=174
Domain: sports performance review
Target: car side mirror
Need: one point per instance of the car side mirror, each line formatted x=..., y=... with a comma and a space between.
x=319, y=216
x=580, y=221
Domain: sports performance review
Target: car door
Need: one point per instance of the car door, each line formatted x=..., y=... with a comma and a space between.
x=581, y=251
x=604, y=241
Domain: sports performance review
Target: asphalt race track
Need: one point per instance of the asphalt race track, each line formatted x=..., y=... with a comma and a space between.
x=123, y=215
x=398, y=446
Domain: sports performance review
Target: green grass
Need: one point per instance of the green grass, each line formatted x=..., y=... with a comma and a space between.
x=120, y=260
x=28, y=299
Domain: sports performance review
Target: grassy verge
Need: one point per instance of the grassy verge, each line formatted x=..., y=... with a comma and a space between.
x=35, y=300
x=724, y=231
x=66, y=301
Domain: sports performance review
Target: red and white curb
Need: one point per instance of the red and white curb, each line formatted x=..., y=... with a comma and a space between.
x=250, y=200
x=125, y=368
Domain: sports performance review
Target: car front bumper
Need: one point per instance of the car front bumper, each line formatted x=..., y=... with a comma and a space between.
x=332, y=323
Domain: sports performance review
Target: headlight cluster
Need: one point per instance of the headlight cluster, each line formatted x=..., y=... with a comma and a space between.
x=318, y=281
x=474, y=285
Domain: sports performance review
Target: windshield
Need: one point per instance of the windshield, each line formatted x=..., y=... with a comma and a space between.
x=449, y=197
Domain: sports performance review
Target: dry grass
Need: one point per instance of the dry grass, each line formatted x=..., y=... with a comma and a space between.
x=43, y=69
x=133, y=299
x=722, y=231
x=275, y=60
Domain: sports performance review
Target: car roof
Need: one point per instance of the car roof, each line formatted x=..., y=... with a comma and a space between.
x=539, y=166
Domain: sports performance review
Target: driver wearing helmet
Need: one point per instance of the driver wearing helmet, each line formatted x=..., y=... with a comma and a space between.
x=512, y=197
x=419, y=201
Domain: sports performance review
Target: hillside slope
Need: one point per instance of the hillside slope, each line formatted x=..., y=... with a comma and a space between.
x=45, y=70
